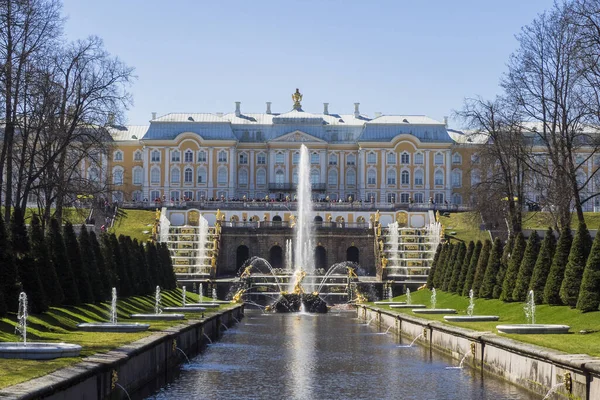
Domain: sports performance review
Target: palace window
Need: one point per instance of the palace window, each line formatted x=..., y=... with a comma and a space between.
x=439, y=198
x=188, y=175
x=243, y=177
x=333, y=159
x=243, y=159
x=137, y=176
x=456, y=178
x=419, y=177
x=93, y=174
x=371, y=197
x=279, y=158
x=404, y=198
x=261, y=177
x=118, y=156
x=391, y=177
x=261, y=159
x=371, y=158
x=295, y=177
x=332, y=177
x=155, y=175
x=137, y=156
x=456, y=199
x=456, y=158
x=419, y=158
x=439, y=178
x=475, y=159
x=117, y=176
x=350, y=177
x=418, y=197
x=188, y=196
x=222, y=156
x=188, y=156
x=371, y=177
x=202, y=175
x=405, y=158
x=222, y=176
x=475, y=177
x=201, y=156
x=175, y=175
x=438, y=159
x=154, y=195
x=155, y=157
x=136, y=195
x=295, y=158
x=175, y=156
x=314, y=158
x=174, y=195
x=314, y=177
x=391, y=198
x=405, y=176
x=391, y=158
x=350, y=159
x=279, y=177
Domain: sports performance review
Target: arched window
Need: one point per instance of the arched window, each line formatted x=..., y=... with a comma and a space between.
x=314, y=158
x=243, y=157
x=222, y=156
x=201, y=156
x=332, y=177
x=155, y=156
x=93, y=174
x=261, y=177
x=175, y=175
x=202, y=175
x=188, y=156
x=295, y=158
x=404, y=197
x=175, y=156
x=155, y=195
x=405, y=158
x=371, y=177
x=136, y=195
x=350, y=159
x=418, y=198
x=117, y=176
x=155, y=175
x=350, y=177
x=314, y=177
x=456, y=199
x=391, y=158
x=438, y=159
x=439, y=198
x=137, y=156
x=475, y=177
x=243, y=177
x=188, y=175
x=279, y=158
x=138, y=176
x=295, y=177
x=419, y=158
x=439, y=178
x=456, y=178
x=419, y=177
x=261, y=159
x=118, y=156
x=279, y=177
x=456, y=158
x=333, y=159
x=222, y=176
x=405, y=176
x=391, y=177
x=371, y=158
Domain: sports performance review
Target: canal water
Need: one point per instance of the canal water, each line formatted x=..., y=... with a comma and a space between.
x=325, y=356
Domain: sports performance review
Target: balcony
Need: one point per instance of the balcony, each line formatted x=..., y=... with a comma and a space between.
x=289, y=186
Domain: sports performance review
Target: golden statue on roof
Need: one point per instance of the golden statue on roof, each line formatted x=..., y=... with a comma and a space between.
x=297, y=97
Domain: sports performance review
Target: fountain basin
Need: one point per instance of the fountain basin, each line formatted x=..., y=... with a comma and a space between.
x=220, y=302
x=184, y=309
x=205, y=305
x=408, y=306
x=474, y=318
x=158, y=317
x=389, y=303
x=38, y=351
x=109, y=327
x=435, y=311
x=533, y=329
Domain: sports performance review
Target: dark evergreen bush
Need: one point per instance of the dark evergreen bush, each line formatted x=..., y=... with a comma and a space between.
x=472, y=268
x=527, y=264
x=491, y=272
x=458, y=262
x=140, y=259
x=449, y=267
x=120, y=256
x=441, y=265
x=40, y=256
x=436, y=257
x=60, y=259
x=88, y=259
x=580, y=250
x=503, y=266
x=482, y=263
x=26, y=267
x=589, y=292
x=101, y=265
x=80, y=271
x=9, y=284
x=153, y=266
x=464, y=268
x=510, y=278
x=167, y=266
x=557, y=270
x=542, y=266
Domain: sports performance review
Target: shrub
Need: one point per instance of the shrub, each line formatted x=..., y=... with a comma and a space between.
x=80, y=271
x=491, y=271
x=557, y=270
x=60, y=259
x=449, y=267
x=464, y=268
x=472, y=268
x=589, y=292
x=542, y=266
x=482, y=263
x=460, y=258
x=580, y=250
x=40, y=256
x=527, y=264
x=8, y=272
x=101, y=265
x=88, y=258
x=436, y=257
x=510, y=278
x=503, y=266
x=438, y=278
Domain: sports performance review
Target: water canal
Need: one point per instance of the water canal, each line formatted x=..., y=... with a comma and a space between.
x=325, y=356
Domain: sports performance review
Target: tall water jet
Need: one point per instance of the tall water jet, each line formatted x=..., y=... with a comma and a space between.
x=471, y=304
x=304, y=246
x=113, y=325
x=202, y=241
x=113, y=306
x=22, y=317
x=289, y=261
x=157, y=301
x=165, y=224
x=470, y=317
x=530, y=308
x=393, y=243
x=183, y=296
x=408, y=299
x=433, y=298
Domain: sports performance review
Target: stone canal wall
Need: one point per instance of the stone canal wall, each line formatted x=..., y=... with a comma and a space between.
x=532, y=367
x=135, y=367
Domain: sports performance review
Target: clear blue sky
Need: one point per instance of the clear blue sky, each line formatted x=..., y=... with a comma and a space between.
x=396, y=57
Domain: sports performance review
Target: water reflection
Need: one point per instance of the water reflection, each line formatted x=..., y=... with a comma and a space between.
x=325, y=356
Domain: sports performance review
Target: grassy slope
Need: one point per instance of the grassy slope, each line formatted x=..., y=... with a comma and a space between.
x=59, y=325
x=542, y=220
x=512, y=313
x=466, y=226
x=134, y=223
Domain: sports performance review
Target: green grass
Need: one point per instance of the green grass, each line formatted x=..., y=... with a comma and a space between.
x=134, y=223
x=464, y=226
x=513, y=313
x=542, y=220
x=76, y=216
x=60, y=325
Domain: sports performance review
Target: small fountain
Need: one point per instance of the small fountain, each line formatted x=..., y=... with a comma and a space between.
x=34, y=350
x=390, y=298
x=113, y=325
x=531, y=326
x=434, y=310
x=413, y=342
x=470, y=317
x=158, y=311
x=408, y=303
x=184, y=306
x=462, y=361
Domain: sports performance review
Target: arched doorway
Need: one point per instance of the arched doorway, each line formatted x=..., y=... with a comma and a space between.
x=352, y=254
x=320, y=258
x=277, y=218
x=318, y=218
x=241, y=255
x=276, y=257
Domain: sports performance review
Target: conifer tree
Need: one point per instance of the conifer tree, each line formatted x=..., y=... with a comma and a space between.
x=460, y=257
x=120, y=255
x=86, y=293
x=27, y=269
x=140, y=259
x=580, y=250
x=153, y=265
x=491, y=272
x=508, y=247
x=441, y=265
x=589, y=292
x=510, y=278
x=526, y=269
x=167, y=266
x=9, y=284
x=436, y=257
x=88, y=258
x=101, y=265
x=449, y=267
x=60, y=259
x=472, y=268
x=557, y=270
x=542, y=266
x=482, y=263
x=40, y=255
x=464, y=268
x=109, y=264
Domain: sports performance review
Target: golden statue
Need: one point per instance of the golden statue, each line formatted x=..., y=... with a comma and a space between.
x=213, y=261
x=292, y=221
x=237, y=298
x=247, y=272
x=351, y=273
x=329, y=218
x=219, y=216
x=298, y=285
x=297, y=97
x=437, y=216
x=380, y=245
x=215, y=244
x=384, y=262
x=157, y=214
x=377, y=215
x=378, y=230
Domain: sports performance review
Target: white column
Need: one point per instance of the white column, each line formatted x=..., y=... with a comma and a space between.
x=232, y=172
x=323, y=159
x=167, y=165
x=104, y=169
x=210, y=170
x=251, y=179
x=448, y=183
x=383, y=162
x=146, y=172
x=341, y=176
x=361, y=174
x=271, y=177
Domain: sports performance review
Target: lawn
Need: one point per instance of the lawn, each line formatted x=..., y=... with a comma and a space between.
x=134, y=223
x=542, y=220
x=464, y=226
x=59, y=325
x=513, y=313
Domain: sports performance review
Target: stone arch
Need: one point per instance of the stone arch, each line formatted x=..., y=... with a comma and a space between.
x=318, y=219
x=241, y=255
x=352, y=254
x=321, y=257
x=276, y=256
x=276, y=218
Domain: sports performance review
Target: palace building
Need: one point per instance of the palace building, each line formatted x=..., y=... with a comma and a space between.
x=202, y=156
